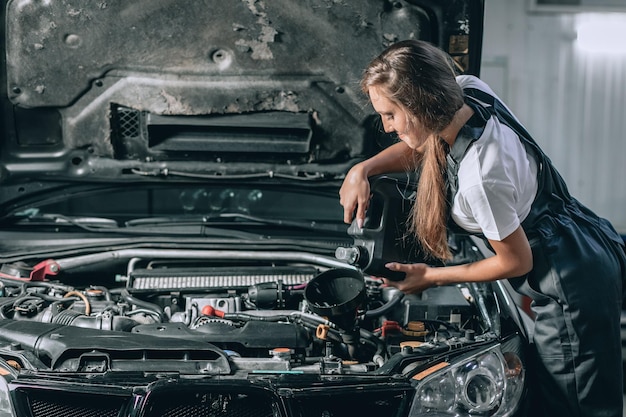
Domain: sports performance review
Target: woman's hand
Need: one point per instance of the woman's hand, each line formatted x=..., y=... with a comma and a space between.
x=415, y=280
x=355, y=190
x=513, y=258
x=355, y=194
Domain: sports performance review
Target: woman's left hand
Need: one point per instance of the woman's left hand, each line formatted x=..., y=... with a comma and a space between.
x=513, y=258
x=414, y=281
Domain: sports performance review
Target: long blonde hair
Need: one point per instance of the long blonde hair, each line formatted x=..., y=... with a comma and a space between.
x=419, y=77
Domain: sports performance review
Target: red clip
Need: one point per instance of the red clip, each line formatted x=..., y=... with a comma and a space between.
x=209, y=310
x=390, y=326
x=43, y=269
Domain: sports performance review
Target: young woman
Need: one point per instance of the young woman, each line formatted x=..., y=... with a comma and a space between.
x=481, y=171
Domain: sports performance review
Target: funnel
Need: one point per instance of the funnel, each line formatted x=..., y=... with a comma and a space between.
x=336, y=294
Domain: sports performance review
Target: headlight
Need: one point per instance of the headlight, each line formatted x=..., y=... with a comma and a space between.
x=486, y=383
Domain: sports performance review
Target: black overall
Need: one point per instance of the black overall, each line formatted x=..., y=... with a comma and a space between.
x=575, y=286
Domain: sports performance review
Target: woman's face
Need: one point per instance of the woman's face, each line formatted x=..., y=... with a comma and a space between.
x=394, y=119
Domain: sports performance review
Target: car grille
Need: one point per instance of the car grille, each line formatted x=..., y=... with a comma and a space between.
x=163, y=403
x=55, y=404
x=213, y=402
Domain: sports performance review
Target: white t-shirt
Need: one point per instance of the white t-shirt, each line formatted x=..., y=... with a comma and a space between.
x=497, y=179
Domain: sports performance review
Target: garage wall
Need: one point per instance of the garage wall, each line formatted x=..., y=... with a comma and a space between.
x=573, y=101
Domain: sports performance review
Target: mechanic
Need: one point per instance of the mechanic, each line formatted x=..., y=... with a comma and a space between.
x=480, y=170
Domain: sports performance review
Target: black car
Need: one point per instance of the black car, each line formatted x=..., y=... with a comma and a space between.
x=171, y=239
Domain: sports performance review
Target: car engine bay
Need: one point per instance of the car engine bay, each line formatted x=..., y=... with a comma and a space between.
x=265, y=316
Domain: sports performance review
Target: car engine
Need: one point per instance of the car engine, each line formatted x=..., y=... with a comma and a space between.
x=267, y=316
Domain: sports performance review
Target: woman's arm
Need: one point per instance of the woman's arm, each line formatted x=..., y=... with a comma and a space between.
x=355, y=190
x=513, y=258
x=398, y=157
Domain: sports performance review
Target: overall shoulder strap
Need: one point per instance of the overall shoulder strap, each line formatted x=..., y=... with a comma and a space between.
x=466, y=136
x=458, y=150
x=548, y=176
x=498, y=109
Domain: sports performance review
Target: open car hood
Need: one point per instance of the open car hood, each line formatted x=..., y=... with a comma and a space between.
x=107, y=90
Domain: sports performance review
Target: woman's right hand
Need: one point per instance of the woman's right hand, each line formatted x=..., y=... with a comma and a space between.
x=355, y=194
x=355, y=191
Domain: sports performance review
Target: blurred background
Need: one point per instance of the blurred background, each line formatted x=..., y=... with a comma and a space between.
x=561, y=67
